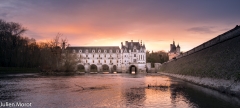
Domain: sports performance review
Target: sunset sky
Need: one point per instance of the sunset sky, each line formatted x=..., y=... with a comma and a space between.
x=109, y=22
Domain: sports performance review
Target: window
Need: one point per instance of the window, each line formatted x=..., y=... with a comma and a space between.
x=80, y=51
x=134, y=55
x=104, y=61
x=99, y=55
x=86, y=61
x=93, y=55
x=117, y=51
x=105, y=55
x=93, y=51
x=105, y=51
x=125, y=56
x=110, y=51
x=134, y=50
x=134, y=60
x=86, y=55
x=86, y=51
x=93, y=61
x=110, y=61
x=99, y=51
x=117, y=61
x=98, y=61
x=74, y=51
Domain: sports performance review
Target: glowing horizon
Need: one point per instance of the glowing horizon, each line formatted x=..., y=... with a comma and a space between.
x=108, y=23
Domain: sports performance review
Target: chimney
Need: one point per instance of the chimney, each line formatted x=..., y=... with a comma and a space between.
x=121, y=44
x=131, y=43
x=126, y=43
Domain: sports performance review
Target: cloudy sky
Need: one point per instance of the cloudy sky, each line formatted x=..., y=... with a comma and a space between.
x=109, y=22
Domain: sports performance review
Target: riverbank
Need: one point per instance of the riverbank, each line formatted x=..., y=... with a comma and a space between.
x=230, y=87
x=16, y=70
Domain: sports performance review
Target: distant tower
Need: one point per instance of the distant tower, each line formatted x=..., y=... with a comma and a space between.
x=178, y=49
x=174, y=50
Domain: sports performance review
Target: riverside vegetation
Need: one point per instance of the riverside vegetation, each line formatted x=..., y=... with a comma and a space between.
x=22, y=54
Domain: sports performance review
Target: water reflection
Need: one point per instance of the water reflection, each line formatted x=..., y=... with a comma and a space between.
x=110, y=90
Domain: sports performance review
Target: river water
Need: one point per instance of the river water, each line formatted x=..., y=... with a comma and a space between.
x=109, y=90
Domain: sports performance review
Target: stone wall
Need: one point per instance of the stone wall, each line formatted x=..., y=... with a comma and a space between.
x=216, y=58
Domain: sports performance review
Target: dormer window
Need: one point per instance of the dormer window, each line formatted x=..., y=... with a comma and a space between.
x=93, y=51
x=134, y=50
x=80, y=51
x=99, y=51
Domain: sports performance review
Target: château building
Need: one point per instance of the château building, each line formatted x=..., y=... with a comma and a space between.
x=130, y=57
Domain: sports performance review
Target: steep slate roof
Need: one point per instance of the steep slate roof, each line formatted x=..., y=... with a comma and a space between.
x=131, y=45
x=96, y=48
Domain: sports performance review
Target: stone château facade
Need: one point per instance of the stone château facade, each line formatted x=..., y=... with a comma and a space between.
x=130, y=57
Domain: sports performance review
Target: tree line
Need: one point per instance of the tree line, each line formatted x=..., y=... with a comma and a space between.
x=156, y=57
x=19, y=51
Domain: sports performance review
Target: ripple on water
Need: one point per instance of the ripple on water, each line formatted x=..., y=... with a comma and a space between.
x=110, y=90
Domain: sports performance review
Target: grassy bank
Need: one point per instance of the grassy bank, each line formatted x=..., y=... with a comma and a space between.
x=221, y=61
x=15, y=70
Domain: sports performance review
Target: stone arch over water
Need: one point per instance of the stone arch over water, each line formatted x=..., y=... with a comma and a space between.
x=105, y=68
x=114, y=68
x=93, y=68
x=133, y=68
x=81, y=68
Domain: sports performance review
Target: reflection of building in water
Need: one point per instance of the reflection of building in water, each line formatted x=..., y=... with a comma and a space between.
x=131, y=57
x=174, y=50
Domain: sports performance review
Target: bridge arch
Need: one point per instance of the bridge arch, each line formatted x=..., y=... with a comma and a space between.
x=105, y=68
x=80, y=68
x=93, y=68
x=132, y=68
x=114, y=68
